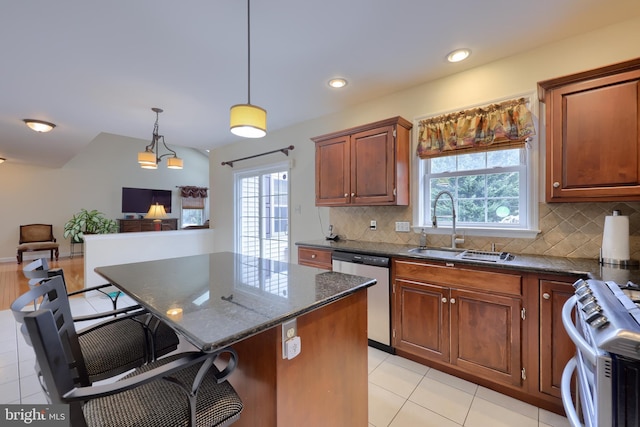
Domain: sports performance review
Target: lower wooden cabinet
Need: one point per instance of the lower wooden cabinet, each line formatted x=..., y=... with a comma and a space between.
x=499, y=328
x=556, y=348
x=472, y=330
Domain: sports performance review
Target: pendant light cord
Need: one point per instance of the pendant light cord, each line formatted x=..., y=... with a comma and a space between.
x=248, y=51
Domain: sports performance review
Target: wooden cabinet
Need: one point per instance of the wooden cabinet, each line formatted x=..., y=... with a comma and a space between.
x=593, y=134
x=366, y=165
x=556, y=348
x=313, y=257
x=135, y=225
x=467, y=318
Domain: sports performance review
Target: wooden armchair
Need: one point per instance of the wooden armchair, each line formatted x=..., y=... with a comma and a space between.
x=37, y=237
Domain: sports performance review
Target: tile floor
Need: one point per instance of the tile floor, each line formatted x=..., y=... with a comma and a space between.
x=402, y=393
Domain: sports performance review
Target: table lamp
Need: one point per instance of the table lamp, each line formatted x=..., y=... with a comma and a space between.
x=156, y=213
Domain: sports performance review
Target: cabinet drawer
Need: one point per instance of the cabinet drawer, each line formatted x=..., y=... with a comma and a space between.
x=460, y=277
x=320, y=258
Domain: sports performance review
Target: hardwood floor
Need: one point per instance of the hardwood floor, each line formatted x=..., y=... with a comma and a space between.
x=13, y=283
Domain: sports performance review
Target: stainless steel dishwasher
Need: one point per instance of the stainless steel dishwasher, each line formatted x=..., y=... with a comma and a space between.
x=378, y=295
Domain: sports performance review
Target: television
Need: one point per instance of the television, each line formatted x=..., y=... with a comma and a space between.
x=138, y=200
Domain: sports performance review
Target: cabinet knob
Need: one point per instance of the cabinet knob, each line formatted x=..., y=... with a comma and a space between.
x=444, y=300
x=346, y=195
x=556, y=184
x=453, y=300
x=546, y=295
x=353, y=194
x=313, y=256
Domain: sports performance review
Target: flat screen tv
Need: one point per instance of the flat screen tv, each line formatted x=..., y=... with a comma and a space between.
x=138, y=200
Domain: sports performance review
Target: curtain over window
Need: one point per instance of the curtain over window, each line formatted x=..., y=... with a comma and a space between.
x=193, y=197
x=496, y=126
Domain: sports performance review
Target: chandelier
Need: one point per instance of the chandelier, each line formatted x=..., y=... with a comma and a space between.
x=150, y=157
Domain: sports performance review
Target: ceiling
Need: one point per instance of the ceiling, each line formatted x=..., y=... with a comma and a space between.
x=93, y=67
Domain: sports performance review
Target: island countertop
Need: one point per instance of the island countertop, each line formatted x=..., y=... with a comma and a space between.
x=218, y=299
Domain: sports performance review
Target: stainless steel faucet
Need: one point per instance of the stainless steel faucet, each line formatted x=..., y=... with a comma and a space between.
x=454, y=238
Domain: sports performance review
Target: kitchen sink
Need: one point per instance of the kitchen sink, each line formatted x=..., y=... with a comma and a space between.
x=468, y=254
x=437, y=252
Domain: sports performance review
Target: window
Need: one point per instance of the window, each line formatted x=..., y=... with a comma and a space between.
x=262, y=213
x=492, y=191
x=193, y=209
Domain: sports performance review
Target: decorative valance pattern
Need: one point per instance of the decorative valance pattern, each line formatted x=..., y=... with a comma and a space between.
x=193, y=197
x=496, y=126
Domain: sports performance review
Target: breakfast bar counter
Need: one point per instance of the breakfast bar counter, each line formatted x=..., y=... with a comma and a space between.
x=227, y=299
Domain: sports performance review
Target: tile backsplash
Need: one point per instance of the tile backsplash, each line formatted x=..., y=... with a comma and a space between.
x=566, y=229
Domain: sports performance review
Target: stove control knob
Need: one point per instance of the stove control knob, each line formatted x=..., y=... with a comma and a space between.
x=584, y=293
x=586, y=298
x=591, y=307
x=597, y=320
x=579, y=284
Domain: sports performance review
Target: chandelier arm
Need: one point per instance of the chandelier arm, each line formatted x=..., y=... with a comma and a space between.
x=168, y=149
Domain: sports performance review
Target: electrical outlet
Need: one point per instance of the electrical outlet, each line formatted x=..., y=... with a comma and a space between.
x=402, y=226
x=289, y=331
x=373, y=225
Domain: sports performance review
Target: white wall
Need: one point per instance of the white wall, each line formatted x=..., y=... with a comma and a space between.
x=124, y=248
x=515, y=75
x=92, y=180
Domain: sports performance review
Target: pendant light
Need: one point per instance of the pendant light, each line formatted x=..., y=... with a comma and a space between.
x=246, y=120
x=150, y=157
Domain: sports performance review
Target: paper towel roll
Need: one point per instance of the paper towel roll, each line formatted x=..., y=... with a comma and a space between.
x=615, y=239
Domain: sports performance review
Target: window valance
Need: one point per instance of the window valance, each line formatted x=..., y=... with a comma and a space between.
x=496, y=126
x=193, y=197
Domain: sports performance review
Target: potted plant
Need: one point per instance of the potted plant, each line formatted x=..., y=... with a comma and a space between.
x=88, y=222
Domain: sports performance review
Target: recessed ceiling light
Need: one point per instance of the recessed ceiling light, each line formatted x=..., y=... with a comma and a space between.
x=39, y=125
x=458, y=55
x=337, y=83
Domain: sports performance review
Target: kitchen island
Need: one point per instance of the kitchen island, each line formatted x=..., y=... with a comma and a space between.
x=226, y=299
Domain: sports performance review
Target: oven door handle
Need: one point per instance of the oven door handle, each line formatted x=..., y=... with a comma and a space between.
x=565, y=392
x=583, y=347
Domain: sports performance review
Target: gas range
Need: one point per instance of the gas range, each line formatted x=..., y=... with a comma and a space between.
x=606, y=332
x=612, y=314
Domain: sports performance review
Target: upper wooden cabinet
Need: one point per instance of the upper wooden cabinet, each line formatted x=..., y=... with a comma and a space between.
x=593, y=134
x=366, y=165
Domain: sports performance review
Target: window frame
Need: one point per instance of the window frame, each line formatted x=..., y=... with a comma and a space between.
x=421, y=192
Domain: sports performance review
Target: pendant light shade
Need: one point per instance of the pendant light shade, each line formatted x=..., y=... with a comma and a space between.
x=147, y=158
x=174, y=163
x=248, y=121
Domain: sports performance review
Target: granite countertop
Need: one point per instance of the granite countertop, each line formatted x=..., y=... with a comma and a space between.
x=221, y=298
x=535, y=263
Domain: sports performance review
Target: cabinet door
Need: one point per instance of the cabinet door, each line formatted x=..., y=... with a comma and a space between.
x=556, y=348
x=421, y=319
x=332, y=172
x=593, y=151
x=373, y=167
x=486, y=335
